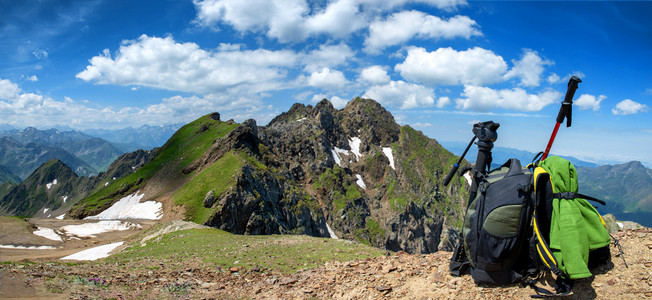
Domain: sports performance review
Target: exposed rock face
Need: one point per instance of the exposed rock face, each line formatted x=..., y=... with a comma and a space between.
x=354, y=168
x=264, y=204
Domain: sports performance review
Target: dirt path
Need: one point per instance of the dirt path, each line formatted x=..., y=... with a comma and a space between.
x=397, y=276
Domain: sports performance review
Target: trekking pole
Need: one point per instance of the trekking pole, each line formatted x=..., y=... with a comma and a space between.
x=566, y=111
x=457, y=164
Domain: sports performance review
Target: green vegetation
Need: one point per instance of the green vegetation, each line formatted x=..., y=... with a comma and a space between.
x=185, y=146
x=372, y=234
x=217, y=248
x=217, y=177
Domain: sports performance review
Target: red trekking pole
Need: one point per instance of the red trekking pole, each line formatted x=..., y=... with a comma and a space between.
x=566, y=111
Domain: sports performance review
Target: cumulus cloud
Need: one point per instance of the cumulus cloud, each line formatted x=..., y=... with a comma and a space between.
x=297, y=20
x=8, y=89
x=485, y=99
x=374, y=75
x=165, y=64
x=327, y=79
x=442, y=102
x=529, y=69
x=401, y=94
x=405, y=25
x=328, y=56
x=587, y=101
x=628, y=107
x=284, y=20
x=445, y=66
x=30, y=109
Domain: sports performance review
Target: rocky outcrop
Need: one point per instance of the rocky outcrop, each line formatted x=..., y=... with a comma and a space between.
x=263, y=203
x=355, y=168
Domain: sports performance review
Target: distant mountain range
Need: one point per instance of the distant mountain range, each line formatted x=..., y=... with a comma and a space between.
x=89, y=153
x=627, y=189
x=130, y=139
x=22, y=152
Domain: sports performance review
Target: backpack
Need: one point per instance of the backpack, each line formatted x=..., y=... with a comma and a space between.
x=496, y=228
x=524, y=222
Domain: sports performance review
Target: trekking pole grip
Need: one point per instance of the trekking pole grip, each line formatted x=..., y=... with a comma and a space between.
x=566, y=106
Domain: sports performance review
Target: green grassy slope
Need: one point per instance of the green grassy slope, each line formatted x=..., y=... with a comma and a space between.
x=185, y=146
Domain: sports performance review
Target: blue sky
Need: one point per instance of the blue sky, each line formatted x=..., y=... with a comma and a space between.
x=437, y=65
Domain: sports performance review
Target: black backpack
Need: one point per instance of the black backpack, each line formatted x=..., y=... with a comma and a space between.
x=496, y=230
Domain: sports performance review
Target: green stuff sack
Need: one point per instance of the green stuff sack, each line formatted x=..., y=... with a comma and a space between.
x=567, y=227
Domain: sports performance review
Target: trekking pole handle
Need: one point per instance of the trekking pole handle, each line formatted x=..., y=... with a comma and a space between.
x=566, y=109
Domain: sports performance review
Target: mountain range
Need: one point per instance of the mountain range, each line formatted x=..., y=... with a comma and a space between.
x=130, y=139
x=627, y=189
x=353, y=173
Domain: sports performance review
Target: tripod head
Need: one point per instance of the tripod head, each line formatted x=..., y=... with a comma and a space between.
x=485, y=133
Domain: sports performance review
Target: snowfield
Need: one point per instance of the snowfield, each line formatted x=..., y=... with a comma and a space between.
x=360, y=182
x=130, y=207
x=354, y=143
x=49, y=185
x=390, y=155
x=27, y=247
x=48, y=233
x=331, y=232
x=93, y=253
x=91, y=229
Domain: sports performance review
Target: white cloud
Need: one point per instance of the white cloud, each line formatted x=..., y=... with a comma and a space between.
x=402, y=26
x=297, y=20
x=8, y=89
x=374, y=75
x=628, y=107
x=40, y=54
x=327, y=79
x=529, y=68
x=553, y=78
x=29, y=109
x=165, y=64
x=485, y=99
x=32, y=78
x=339, y=19
x=401, y=94
x=327, y=56
x=446, y=66
x=587, y=101
x=443, y=101
x=388, y=5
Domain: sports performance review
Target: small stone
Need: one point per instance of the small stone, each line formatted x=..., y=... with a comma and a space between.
x=611, y=282
x=389, y=268
x=307, y=290
x=438, y=277
x=384, y=288
x=233, y=269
